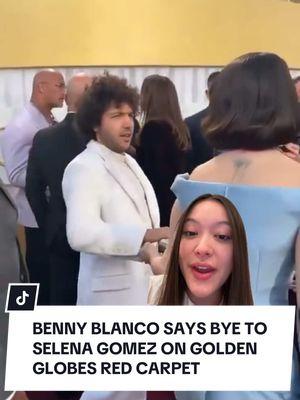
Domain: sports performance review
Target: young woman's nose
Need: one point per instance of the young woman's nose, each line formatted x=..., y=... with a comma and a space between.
x=203, y=247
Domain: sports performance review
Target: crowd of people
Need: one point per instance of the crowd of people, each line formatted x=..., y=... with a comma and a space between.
x=202, y=211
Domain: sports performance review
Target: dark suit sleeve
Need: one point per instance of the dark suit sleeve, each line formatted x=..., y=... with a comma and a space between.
x=201, y=151
x=35, y=184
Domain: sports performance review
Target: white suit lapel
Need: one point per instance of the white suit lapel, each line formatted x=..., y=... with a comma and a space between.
x=113, y=169
x=148, y=189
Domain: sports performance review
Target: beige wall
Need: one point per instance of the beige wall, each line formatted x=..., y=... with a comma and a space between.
x=145, y=32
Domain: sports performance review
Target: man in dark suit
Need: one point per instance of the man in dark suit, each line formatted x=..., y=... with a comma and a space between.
x=52, y=150
x=200, y=151
x=296, y=81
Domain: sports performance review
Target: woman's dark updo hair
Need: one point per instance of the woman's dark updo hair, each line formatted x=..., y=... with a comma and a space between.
x=253, y=104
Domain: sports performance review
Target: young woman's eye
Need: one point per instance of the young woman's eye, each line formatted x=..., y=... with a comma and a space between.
x=188, y=233
x=223, y=238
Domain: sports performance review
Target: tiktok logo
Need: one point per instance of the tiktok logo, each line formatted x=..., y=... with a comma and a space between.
x=21, y=297
x=21, y=300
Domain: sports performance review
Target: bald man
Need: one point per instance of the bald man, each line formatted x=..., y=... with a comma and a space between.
x=53, y=148
x=48, y=91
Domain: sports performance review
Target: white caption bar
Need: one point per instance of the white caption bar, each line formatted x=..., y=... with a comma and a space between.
x=150, y=348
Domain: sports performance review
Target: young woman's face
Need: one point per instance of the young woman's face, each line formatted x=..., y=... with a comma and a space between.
x=206, y=252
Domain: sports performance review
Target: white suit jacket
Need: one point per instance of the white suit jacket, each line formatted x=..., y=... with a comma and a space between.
x=105, y=224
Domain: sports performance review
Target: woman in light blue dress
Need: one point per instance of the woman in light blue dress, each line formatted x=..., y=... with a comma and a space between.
x=252, y=114
x=272, y=219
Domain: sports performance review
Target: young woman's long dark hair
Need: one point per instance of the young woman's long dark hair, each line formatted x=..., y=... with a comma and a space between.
x=159, y=102
x=237, y=289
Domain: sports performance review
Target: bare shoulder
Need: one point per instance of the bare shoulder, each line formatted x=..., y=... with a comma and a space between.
x=290, y=168
x=203, y=171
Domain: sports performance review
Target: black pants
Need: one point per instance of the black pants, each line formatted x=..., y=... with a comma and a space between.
x=64, y=267
x=37, y=259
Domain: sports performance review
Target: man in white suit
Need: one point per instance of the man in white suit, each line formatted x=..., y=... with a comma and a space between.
x=111, y=206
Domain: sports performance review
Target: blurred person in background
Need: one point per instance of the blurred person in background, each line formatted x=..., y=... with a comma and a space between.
x=164, y=141
x=201, y=149
x=52, y=150
x=296, y=81
x=48, y=91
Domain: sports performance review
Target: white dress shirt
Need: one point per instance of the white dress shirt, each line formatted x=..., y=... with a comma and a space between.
x=16, y=144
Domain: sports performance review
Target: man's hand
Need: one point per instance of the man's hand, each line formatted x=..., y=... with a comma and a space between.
x=148, y=251
x=156, y=234
x=150, y=255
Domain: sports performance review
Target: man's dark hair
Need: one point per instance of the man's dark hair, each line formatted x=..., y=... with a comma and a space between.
x=211, y=78
x=253, y=104
x=105, y=91
x=210, y=81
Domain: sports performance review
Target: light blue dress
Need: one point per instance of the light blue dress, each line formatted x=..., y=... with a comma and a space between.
x=271, y=216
